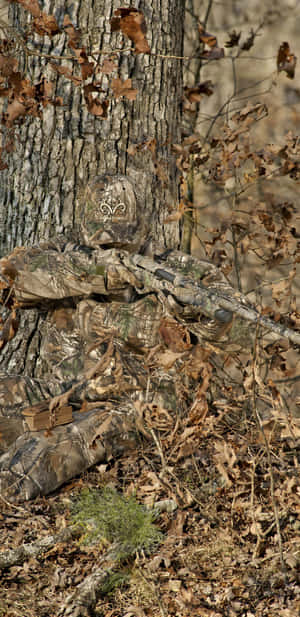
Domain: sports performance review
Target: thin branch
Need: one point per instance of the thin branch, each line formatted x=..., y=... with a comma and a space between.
x=209, y=7
x=272, y=482
x=17, y=556
x=84, y=599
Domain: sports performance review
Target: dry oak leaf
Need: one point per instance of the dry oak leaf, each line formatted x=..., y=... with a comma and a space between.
x=42, y=23
x=87, y=67
x=206, y=37
x=108, y=66
x=30, y=5
x=168, y=358
x=123, y=88
x=234, y=38
x=43, y=93
x=8, y=65
x=142, y=146
x=9, y=328
x=21, y=88
x=45, y=88
x=73, y=33
x=176, y=215
x=214, y=52
x=17, y=109
x=249, y=42
x=175, y=336
x=46, y=24
x=286, y=61
x=66, y=72
x=95, y=105
x=194, y=95
x=132, y=23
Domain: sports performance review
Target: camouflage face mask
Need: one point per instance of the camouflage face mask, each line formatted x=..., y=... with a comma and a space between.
x=109, y=214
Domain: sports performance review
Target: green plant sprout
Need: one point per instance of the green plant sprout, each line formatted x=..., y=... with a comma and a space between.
x=107, y=516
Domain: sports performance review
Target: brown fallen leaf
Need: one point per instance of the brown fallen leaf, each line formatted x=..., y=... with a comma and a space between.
x=43, y=24
x=249, y=42
x=195, y=94
x=168, y=358
x=123, y=88
x=234, y=38
x=108, y=66
x=132, y=23
x=8, y=65
x=30, y=5
x=174, y=335
x=66, y=72
x=214, y=52
x=46, y=25
x=286, y=61
x=14, y=111
x=9, y=328
x=95, y=105
x=73, y=33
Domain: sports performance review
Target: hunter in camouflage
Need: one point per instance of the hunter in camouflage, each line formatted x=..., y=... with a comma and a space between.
x=109, y=303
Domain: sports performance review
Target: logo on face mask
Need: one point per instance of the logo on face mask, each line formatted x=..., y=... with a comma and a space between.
x=111, y=207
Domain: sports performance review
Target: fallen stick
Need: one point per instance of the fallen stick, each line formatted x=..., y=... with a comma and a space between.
x=84, y=598
x=17, y=556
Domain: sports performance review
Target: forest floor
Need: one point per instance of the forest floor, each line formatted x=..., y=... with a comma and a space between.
x=231, y=543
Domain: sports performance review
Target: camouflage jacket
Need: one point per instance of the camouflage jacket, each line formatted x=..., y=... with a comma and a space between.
x=109, y=316
x=91, y=294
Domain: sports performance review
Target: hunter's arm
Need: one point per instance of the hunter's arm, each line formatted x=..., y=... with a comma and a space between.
x=39, y=274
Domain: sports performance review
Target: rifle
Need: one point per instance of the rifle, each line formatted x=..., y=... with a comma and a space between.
x=55, y=275
x=220, y=302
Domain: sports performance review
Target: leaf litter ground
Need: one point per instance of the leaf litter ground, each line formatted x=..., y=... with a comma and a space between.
x=229, y=512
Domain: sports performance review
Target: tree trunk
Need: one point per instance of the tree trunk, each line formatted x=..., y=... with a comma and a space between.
x=56, y=155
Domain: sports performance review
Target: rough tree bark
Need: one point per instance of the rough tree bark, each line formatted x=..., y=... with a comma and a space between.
x=57, y=155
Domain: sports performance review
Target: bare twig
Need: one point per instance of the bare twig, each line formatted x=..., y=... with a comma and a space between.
x=17, y=556
x=85, y=596
x=272, y=482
